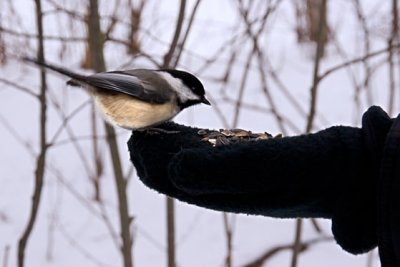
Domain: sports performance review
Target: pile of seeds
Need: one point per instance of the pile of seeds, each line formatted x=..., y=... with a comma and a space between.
x=225, y=137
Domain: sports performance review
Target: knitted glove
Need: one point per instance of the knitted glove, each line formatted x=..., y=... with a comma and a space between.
x=329, y=174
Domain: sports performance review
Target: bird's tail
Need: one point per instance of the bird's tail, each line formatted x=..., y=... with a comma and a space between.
x=77, y=79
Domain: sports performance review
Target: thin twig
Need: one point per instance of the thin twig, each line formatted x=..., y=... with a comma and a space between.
x=121, y=183
x=59, y=8
x=168, y=56
x=219, y=112
x=357, y=86
x=190, y=229
x=356, y=60
x=19, y=88
x=45, y=37
x=260, y=57
x=297, y=242
x=286, y=92
x=261, y=109
x=113, y=21
x=70, y=133
x=185, y=36
x=96, y=56
x=52, y=223
x=14, y=133
x=310, y=120
x=170, y=206
x=78, y=138
x=367, y=49
x=229, y=235
x=317, y=60
x=170, y=216
x=393, y=37
x=151, y=239
x=97, y=158
x=129, y=173
x=41, y=159
x=65, y=121
x=107, y=222
x=76, y=244
x=242, y=88
x=259, y=262
x=70, y=188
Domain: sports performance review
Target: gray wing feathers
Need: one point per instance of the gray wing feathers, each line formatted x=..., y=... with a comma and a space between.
x=147, y=88
x=150, y=87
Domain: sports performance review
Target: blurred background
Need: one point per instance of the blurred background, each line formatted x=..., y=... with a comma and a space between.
x=69, y=195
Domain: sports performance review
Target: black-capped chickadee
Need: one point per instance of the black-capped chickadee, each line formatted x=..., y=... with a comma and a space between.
x=138, y=98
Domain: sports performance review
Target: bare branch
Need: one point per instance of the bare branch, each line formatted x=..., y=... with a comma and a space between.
x=170, y=207
x=113, y=21
x=317, y=60
x=185, y=36
x=96, y=43
x=66, y=119
x=241, y=90
x=260, y=56
x=60, y=8
x=15, y=134
x=356, y=60
x=45, y=37
x=310, y=121
x=229, y=235
x=393, y=37
x=97, y=157
x=19, y=88
x=70, y=132
x=297, y=243
x=174, y=42
x=78, y=247
x=367, y=49
x=111, y=230
x=219, y=111
x=41, y=159
x=170, y=216
x=259, y=262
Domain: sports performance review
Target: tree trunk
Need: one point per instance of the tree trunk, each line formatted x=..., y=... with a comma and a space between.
x=316, y=15
x=96, y=42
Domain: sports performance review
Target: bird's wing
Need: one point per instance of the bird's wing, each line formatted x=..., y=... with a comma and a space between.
x=149, y=88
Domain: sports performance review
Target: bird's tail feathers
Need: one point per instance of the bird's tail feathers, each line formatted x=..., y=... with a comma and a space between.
x=77, y=79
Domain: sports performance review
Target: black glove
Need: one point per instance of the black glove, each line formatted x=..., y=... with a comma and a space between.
x=329, y=174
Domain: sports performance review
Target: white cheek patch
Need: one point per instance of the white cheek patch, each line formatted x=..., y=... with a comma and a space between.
x=184, y=93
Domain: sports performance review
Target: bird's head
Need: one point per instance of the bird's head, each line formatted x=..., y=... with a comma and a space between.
x=191, y=91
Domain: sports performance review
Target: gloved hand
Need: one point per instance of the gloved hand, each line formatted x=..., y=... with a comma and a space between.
x=330, y=174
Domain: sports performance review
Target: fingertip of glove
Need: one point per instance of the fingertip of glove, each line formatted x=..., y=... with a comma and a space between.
x=376, y=117
x=375, y=125
x=354, y=232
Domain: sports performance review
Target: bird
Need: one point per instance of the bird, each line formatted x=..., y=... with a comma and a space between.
x=137, y=99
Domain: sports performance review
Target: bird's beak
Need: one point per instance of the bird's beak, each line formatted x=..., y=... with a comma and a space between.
x=205, y=101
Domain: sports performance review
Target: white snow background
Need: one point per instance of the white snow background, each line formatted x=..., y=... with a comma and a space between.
x=70, y=229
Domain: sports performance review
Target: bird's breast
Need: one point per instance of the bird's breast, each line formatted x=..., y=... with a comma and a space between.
x=131, y=113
